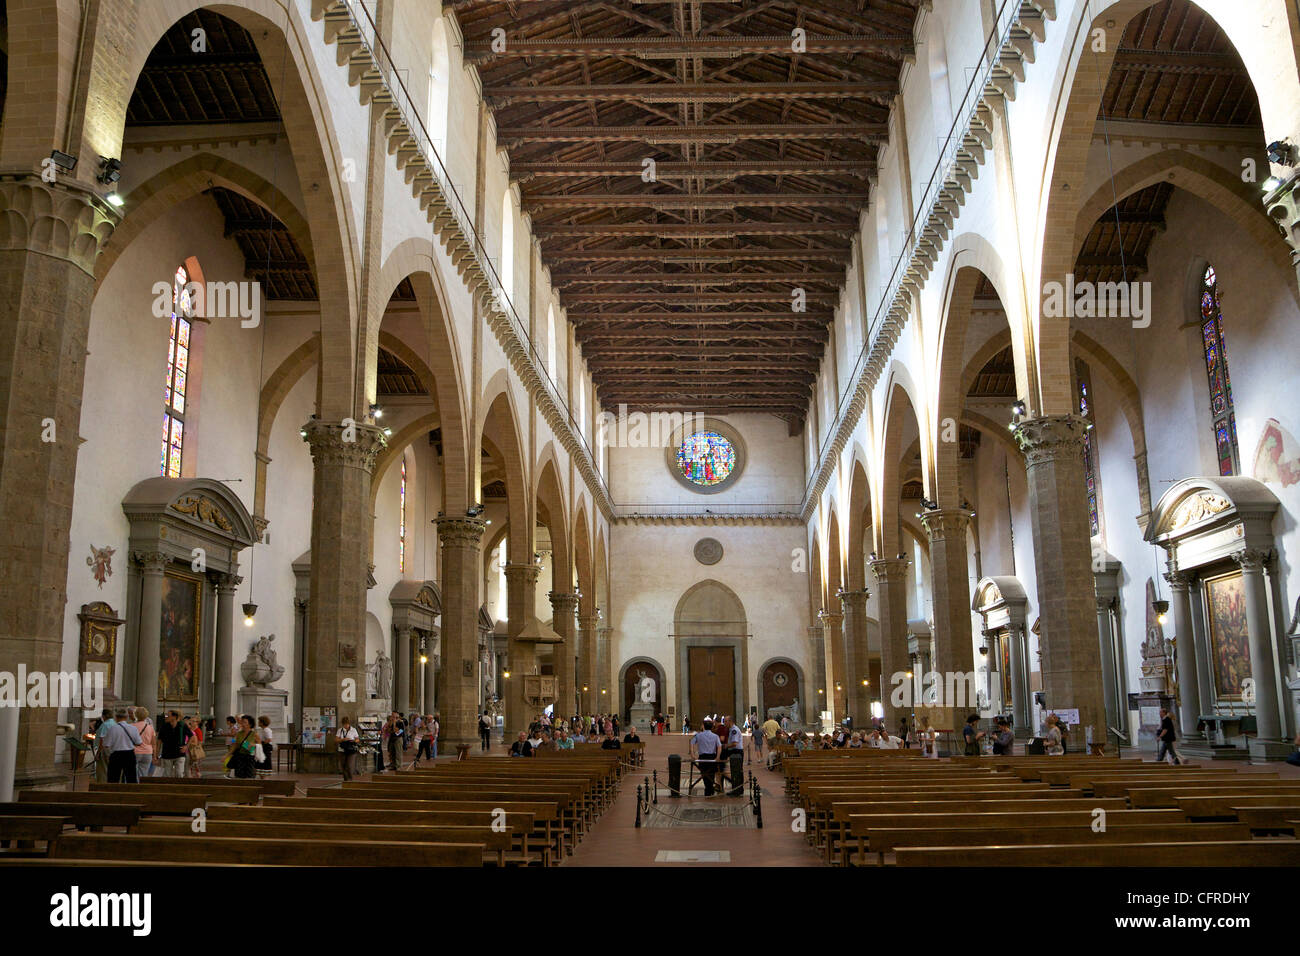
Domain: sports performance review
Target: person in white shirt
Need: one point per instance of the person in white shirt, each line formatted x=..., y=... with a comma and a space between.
x=705, y=746
x=349, y=743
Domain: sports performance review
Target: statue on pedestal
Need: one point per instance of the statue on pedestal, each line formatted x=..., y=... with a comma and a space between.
x=646, y=686
x=260, y=669
x=379, y=676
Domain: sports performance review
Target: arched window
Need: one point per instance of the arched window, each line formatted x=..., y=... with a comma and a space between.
x=401, y=521
x=1091, y=470
x=178, y=369
x=1223, y=419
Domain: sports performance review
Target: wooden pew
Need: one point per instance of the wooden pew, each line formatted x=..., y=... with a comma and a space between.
x=1167, y=796
x=31, y=829
x=497, y=844
x=83, y=816
x=1268, y=819
x=587, y=789
x=518, y=824
x=1085, y=778
x=150, y=802
x=1118, y=786
x=884, y=840
x=220, y=794
x=1236, y=853
x=266, y=785
x=283, y=852
x=1226, y=806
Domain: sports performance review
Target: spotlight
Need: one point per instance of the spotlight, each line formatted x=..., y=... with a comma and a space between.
x=873, y=555
x=110, y=170
x=1270, y=184
x=474, y=510
x=424, y=659
x=114, y=200
x=250, y=612
x=929, y=504
x=376, y=412
x=506, y=674
x=984, y=651
x=1018, y=409
x=1162, y=610
x=1281, y=153
x=388, y=433
x=901, y=556
x=63, y=160
x=302, y=432
x=865, y=682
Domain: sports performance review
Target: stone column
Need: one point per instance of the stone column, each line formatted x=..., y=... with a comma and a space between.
x=223, y=691
x=148, y=648
x=1022, y=707
x=1106, y=646
x=430, y=669
x=563, y=606
x=1283, y=205
x=949, y=572
x=51, y=237
x=587, y=621
x=343, y=459
x=1189, y=695
x=891, y=581
x=815, y=700
x=604, y=679
x=402, y=670
x=1263, y=668
x=300, y=606
x=832, y=623
x=461, y=540
x=1053, y=447
x=856, y=655
x=521, y=601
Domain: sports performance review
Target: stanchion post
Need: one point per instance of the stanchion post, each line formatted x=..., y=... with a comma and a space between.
x=638, y=805
x=655, y=793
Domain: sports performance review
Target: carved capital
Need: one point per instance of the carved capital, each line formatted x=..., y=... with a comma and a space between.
x=151, y=562
x=1252, y=559
x=830, y=618
x=890, y=569
x=517, y=574
x=228, y=582
x=66, y=221
x=355, y=445
x=260, y=525
x=1106, y=602
x=563, y=602
x=1051, y=438
x=460, y=532
x=587, y=622
x=855, y=601
x=946, y=525
x=1179, y=580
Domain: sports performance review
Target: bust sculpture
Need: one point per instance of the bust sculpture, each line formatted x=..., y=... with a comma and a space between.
x=260, y=669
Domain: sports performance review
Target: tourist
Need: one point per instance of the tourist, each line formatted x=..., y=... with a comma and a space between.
x=485, y=730
x=242, y=754
x=349, y=743
x=630, y=737
x=735, y=740
x=119, y=740
x=395, y=735
x=145, y=751
x=266, y=738
x=1166, y=737
x=686, y=725
x=565, y=742
x=705, y=746
x=905, y=734
x=610, y=742
x=1052, y=742
x=1003, y=739
x=521, y=747
x=578, y=736
x=756, y=739
x=855, y=742
x=194, y=752
x=232, y=727
x=971, y=737
x=841, y=737
x=172, y=737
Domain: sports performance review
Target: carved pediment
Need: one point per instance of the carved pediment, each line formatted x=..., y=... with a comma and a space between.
x=203, y=508
x=1196, y=508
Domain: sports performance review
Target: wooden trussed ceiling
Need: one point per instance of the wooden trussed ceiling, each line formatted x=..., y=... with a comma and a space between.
x=680, y=287
x=1116, y=247
x=272, y=255
x=395, y=377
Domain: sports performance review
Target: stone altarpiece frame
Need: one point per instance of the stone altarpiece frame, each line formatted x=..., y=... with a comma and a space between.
x=417, y=608
x=183, y=529
x=1218, y=536
x=1001, y=602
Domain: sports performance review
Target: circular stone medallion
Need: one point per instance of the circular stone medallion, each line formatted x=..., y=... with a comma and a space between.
x=708, y=551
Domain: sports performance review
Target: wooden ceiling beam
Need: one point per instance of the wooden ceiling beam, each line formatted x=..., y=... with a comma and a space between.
x=514, y=136
x=817, y=319
x=692, y=298
x=894, y=46
x=705, y=170
x=701, y=278
x=879, y=91
x=700, y=255
x=693, y=230
x=695, y=200
x=612, y=341
x=1173, y=61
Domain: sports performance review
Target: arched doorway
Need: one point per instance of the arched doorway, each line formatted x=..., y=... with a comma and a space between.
x=629, y=681
x=780, y=684
x=710, y=637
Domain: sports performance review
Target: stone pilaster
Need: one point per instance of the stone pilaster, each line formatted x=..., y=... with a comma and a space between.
x=836, y=675
x=950, y=575
x=458, y=687
x=857, y=694
x=1189, y=695
x=1263, y=664
x=563, y=607
x=604, y=679
x=402, y=670
x=1071, y=657
x=50, y=237
x=587, y=621
x=149, y=646
x=521, y=601
x=812, y=699
x=223, y=692
x=891, y=581
x=343, y=459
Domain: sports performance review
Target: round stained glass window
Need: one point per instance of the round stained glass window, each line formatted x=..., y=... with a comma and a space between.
x=706, y=458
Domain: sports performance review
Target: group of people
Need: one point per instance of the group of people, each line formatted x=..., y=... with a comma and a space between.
x=128, y=747
x=539, y=737
x=249, y=744
x=711, y=751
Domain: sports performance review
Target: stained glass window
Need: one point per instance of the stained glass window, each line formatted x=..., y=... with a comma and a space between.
x=1216, y=369
x=178, y=370
x=1090, y=469
x=706, y=458
x=401, y=527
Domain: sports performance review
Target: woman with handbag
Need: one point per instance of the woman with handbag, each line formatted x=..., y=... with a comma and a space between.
x=266, y=748
x=194, y=752
x=349, y=743
x=243, y=751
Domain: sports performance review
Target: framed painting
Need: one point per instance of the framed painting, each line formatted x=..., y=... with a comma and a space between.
x=1225, y=612
x=182, y=628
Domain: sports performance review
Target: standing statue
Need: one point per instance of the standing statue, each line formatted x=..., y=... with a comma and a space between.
x=384, y=674
x=646, y=686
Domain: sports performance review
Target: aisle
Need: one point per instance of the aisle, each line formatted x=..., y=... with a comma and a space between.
x=616, y=841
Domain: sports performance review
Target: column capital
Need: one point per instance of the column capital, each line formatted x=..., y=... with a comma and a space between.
x=890, y=569
x=1179, y=580
x=587, y=622
x=830, y=618
x=946, y=524
x=1252, y=559
x=1050, y=437
x=65, y=220
x=604, y=630
x=855, y=600
x=151, y=562
x=1105, y=602
x=227, y=582
x=460, y=531
x=353, y=444
x=522, y=573
x=563, y=602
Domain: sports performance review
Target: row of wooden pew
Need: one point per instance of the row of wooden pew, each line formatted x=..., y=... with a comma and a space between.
x=462, y=813
x=869, y=806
